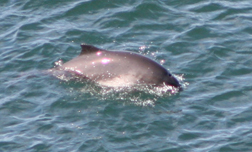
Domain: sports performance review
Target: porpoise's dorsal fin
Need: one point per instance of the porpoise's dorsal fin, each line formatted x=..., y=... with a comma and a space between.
x=85, y=49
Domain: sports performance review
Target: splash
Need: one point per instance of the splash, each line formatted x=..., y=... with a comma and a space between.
x=140, y=95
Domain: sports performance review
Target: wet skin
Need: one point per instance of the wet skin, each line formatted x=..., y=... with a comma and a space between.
x=117, y=69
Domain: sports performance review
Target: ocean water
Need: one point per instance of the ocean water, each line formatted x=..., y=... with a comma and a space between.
x=207, y=42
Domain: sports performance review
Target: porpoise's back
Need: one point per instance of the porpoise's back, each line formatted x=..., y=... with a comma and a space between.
x=116, y=69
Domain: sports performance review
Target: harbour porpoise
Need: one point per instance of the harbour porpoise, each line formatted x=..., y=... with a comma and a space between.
x=117, y=68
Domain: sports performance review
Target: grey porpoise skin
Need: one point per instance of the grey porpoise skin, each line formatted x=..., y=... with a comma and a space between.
x=117, y=69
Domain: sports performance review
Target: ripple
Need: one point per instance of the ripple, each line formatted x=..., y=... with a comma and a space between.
x=208, y=42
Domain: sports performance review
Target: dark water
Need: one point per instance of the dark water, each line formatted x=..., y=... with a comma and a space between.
x=208, y=41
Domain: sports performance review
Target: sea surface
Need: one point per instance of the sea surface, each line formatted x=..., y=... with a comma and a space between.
x=208, y=43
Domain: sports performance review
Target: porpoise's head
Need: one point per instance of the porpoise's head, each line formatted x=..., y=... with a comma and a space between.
x=172, y=81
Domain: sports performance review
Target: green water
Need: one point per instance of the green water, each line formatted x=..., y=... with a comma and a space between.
x=207, y=41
